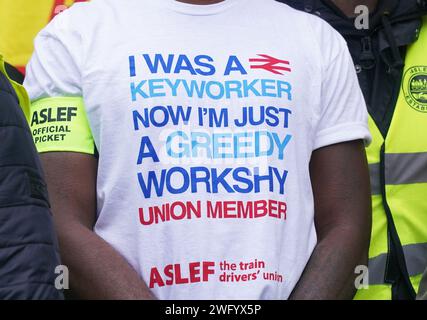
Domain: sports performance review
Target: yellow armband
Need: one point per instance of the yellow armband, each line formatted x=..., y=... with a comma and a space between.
x=61, y=124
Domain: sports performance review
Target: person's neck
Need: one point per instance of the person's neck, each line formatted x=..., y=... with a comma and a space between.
x=348, y=6
x=201, y=2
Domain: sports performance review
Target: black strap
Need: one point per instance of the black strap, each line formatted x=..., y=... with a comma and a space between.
x=396, y=272
x=367, y=57
x=13, y=73
x=309, y=6
x=388, y=31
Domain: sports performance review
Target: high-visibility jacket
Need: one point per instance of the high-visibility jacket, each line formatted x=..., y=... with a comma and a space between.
x=398, y=122
x=398, y=166
x=20, y=21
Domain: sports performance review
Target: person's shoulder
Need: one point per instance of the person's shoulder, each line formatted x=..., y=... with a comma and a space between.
x=329, y=41
x=287, y=13
x=307, y=24
x=312, y=30
x=274, y=9
x=82, y=16
x=87, y=8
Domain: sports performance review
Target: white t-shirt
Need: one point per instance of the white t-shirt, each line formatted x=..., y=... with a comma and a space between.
x=205, y=118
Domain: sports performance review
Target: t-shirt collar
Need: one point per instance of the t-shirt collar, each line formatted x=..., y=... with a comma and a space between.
x=198, y=9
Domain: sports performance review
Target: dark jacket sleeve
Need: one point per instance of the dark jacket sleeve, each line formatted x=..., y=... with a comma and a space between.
x=28, y=245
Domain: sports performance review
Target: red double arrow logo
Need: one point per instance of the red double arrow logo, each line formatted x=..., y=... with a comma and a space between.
x=270, y=64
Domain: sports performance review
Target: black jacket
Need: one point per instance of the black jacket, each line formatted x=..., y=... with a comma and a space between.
x=28, y=246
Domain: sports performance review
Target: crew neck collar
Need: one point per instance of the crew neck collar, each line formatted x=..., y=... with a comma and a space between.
x=198, y=9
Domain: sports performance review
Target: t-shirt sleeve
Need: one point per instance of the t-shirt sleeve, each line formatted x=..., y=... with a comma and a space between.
x=343, y=114
x=58, y=117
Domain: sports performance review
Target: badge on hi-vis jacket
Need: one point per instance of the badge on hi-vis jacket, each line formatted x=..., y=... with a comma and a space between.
x=415, y=88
